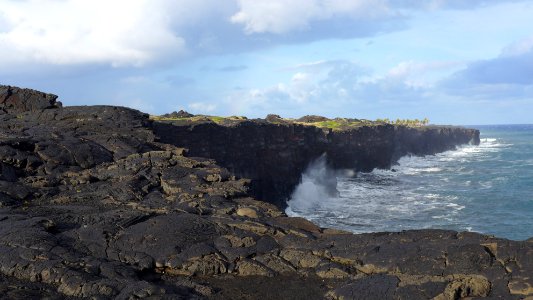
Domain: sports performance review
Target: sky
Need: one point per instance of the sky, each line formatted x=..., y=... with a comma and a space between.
x=453, y=61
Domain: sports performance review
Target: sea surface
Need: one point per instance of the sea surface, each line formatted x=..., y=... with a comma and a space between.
x=486, y=188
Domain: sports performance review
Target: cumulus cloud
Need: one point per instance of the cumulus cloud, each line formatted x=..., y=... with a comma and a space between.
x=329, y=87
x=142, y=32
x=522, y=47
x=310, y=87
x=510, y=75
x=446, y=4
x=279, y=16
x=120, y=32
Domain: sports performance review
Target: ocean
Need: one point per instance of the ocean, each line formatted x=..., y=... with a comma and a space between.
x=486, y=189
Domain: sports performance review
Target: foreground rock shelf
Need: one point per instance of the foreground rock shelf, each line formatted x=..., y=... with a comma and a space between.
x=94, y=204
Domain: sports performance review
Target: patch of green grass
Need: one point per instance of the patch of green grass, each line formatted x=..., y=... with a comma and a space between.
x=216, y=119
x=199, y=118
x=338, y=124
x=329, y=124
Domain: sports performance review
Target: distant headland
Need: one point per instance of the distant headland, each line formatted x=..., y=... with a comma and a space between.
x=109, y=202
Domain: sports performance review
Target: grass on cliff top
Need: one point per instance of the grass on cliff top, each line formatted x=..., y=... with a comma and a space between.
x=199, y=119
x=337, y=124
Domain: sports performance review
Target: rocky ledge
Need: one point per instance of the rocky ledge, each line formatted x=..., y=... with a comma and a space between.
x=273, y=153
x=94, y=205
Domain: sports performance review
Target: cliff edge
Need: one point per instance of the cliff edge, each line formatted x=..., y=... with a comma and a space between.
x=94, y=205
x=274, y=153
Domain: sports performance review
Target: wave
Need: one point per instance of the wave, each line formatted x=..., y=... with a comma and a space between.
x=488, y=140
x=377, y=201
x=445, y=191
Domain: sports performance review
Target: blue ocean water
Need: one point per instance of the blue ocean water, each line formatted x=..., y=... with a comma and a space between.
x=486, y=188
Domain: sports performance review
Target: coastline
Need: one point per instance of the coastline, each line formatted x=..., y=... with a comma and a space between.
x=96, y=202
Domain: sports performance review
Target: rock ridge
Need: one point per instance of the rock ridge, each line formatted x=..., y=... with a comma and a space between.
x=275, y=154
x=16, y=100
x=93, y=205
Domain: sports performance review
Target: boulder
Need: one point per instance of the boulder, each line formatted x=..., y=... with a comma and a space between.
x=179, y=114
x=15, y=100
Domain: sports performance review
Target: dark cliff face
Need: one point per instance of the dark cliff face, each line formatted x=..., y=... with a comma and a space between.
x=274, y=156
x=370, y=147
x=93, y=207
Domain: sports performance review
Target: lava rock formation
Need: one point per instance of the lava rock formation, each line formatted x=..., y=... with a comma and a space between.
x=96, y=203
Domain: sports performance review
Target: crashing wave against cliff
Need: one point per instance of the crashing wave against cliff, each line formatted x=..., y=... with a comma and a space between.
x=99, y=202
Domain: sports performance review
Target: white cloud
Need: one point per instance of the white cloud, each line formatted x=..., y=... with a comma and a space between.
x=141, y=32
x=519, y=48
x=419, y=74
x=65, y=32
x=202, y=107
x=309, y=88
x=334, y=86
x=509, y=75
x=446, y=4
x=280, y=16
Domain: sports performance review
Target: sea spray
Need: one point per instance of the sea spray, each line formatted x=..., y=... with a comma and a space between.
x=485, y=188
x=318, y=184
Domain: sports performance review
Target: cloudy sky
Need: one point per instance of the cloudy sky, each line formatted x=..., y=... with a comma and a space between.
x=453, y=61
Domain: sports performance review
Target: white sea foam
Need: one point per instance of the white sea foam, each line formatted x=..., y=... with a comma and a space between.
x=408, y=196
x=488, y=140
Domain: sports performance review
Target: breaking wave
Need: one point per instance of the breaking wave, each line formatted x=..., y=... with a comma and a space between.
x=446, y=191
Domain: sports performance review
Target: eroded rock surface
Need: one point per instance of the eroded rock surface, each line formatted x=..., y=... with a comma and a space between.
x=276, y=152
x=93, y=206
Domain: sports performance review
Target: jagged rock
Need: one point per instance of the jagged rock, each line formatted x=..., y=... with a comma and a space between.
x=466, y=286
x=247, y=267
x=247, y=212
x=273, y=118
x=94, y=204
x=17, y=100
x=300, y=258
x=276, y=263
x=372, y=287
x=332, y=271
x=296, y=223
x=361, y=148
x=179, y=114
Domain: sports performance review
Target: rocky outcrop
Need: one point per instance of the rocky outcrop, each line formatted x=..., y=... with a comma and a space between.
x=15, y=100
x=92, y=205
x=178, y=114
x=274, y=154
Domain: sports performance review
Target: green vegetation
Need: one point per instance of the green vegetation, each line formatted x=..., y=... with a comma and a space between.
x=198, y=119
x=405, y=122
x=343, y=123
x=337, y=124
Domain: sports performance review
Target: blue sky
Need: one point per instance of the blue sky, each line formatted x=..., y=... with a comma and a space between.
x=453, y=61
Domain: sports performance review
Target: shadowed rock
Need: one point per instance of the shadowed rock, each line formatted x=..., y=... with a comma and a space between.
x=93, y=205
x=16, y=100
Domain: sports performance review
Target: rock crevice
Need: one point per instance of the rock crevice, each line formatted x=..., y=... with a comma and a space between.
x=121, y=215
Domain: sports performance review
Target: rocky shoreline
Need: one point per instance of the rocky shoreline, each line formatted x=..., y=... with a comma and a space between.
x=274, y=154
x=102, y=202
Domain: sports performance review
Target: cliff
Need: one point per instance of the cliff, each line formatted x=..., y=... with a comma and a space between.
x=274, y=155
x=93, y=205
